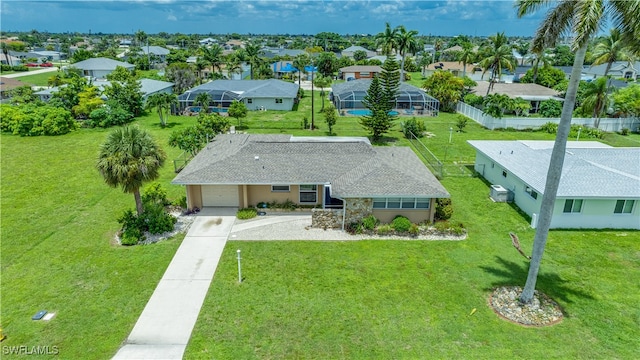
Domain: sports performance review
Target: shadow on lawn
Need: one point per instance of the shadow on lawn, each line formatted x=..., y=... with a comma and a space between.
x=551, y=284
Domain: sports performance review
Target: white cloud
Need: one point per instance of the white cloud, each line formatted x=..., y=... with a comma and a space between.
x=172, y=17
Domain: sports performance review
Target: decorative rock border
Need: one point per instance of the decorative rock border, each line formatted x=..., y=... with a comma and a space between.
x=542, y=311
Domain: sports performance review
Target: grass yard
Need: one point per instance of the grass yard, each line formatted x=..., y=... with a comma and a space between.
x=413, y=299
x=316, y=300
x=37, y=79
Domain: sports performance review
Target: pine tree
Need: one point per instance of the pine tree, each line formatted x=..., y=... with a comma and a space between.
x=390, y=82
x=378, y=121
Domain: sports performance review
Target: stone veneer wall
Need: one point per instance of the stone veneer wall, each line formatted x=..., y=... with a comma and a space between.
x=357, y=209
x=326, y=218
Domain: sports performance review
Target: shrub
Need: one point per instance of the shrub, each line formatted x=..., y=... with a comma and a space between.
x=247, y=213
x=550, y=128
x=112, y=114
x=20, y=68
x=413, y=126
x=414, y=229
x=461, y=122
x=401, y=224
x=181, y=202
x=444, y=210
x=473, y=100
x=36, y=120
x=370, y=222
x=456, y=228
x=624, y=131
x=550, y=108
x=384, y=229
x=441, y=226
x=156, y=219
x=130, y=233
x=155, y=194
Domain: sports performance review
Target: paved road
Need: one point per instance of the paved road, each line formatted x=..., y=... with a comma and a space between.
x=25, y=73
x=164, y=327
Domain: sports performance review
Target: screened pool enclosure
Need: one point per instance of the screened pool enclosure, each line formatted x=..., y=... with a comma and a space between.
x=410, y=100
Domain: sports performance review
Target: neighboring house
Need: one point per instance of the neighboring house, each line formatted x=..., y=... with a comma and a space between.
x=148, y=87
x=619, y=70
x=454, y=67
x=99, y=68
x=8, y=84
x=282, y=68
x=359, y=72
x=598, y=187
x=348, y=96
x=271, y=94
x=270, y=53
x=208, y=41
x=351, y=50
x=382, y=58
x=233, y=44
x=533, y=93
x=158, y=52
x=9, y=60
x=348, y=175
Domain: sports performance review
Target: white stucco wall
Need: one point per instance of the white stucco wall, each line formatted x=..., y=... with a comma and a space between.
x=269, y=104
x=595, y=213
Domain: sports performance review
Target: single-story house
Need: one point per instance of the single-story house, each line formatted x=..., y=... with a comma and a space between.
x=9, y=59
x=359, y=72
x=343, y=175
x=533, y=93
x=158, y=52
x=99, y=68
x=454, y=67
x=148, y=87
x=8, y=84
x=351, y=50
x=271, y=94
x=270, y=53
x=348, y=96
x=283, y=68
x=619, y=70
x=598, y=187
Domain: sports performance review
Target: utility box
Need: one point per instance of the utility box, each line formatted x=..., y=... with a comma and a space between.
x=500, y=194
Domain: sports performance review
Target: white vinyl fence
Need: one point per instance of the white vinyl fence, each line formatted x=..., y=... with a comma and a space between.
x=521, y=123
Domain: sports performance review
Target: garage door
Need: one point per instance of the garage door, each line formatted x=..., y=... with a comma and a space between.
x=220, y=195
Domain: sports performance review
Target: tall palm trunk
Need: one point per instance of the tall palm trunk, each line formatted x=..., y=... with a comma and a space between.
x=139, y=207
x=553, y=177
x=402, y=68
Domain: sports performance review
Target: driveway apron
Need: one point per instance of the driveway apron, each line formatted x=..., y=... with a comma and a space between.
x=164, y=327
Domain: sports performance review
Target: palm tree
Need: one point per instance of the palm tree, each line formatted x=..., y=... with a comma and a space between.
x=163, y=103
x=233, y=66
x=322, y=82
x=406, y=42
x=253, y=57
x=583, y=19
x=522, y=48
x=500, y=57
x=539, y=56
x=610, y=49
x=467, y=55
x=596, y=99
x=299, y=62
x=213, y=56
x=387, y=40
x=128, y=158
x=5, y=51
x=203, y=99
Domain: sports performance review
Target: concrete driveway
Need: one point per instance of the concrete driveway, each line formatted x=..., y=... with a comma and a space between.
x=164, y=327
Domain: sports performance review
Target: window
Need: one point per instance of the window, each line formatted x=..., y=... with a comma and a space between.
x=249, y=101
x=280, y=188
x=531, y=192
x=365, y=74
x=624, y=206
x=572, y=206
x=492, y=165
x=278, y=101
x=308, y=193
x=504, y=173
x=401, y=203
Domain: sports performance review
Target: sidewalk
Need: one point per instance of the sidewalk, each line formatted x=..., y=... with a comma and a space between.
x=25, y=73
x=164, y=327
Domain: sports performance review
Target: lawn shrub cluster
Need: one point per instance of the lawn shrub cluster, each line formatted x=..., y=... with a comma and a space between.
x=112, y=114
x=457, y=228
x=586, y=132
x=36, y=120
x=155, y=219
x=414, y=126
x=370, y=222
x=444, y=209
x=285, y=205
x=401, y=224
x=247, y=213
x=14, y=67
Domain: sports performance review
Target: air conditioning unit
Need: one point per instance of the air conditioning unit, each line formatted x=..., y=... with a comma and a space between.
x=500, y=194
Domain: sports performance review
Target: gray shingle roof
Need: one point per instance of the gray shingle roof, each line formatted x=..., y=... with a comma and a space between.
x=271, y=88
x=101, y=64
x=352, y=166
x=591, y=169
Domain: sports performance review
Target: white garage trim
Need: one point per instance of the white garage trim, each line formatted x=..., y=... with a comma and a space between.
x=220, y=195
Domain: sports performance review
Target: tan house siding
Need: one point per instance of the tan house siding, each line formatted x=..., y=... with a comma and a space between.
x=416, y=216
x=194, y=196
x=263, y=193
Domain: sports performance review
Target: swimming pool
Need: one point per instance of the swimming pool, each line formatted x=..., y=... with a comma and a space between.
x=364, y=112
x=211, y=109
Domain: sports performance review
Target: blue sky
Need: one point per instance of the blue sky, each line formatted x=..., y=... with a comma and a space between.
x=452, y=17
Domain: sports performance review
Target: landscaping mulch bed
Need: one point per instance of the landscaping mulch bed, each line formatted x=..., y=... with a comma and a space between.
x=542, y=311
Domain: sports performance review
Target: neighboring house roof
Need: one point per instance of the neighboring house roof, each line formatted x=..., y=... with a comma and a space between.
x=355, y=48
x=7, y=84
x=591, y=169
x=361, y=68
x=147, y=86
x=618, y=69
x=531, y=92
x=352, y=166
x=382, y=58
x=101, y=64
x=271, y=88
x=459, y=48
x=451, y=65
x=154, y=50
x=9, y=59
x=273, y=52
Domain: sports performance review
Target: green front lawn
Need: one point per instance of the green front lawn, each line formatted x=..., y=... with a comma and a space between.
x=59, y=219
x=413, y=299
x=37, y=79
